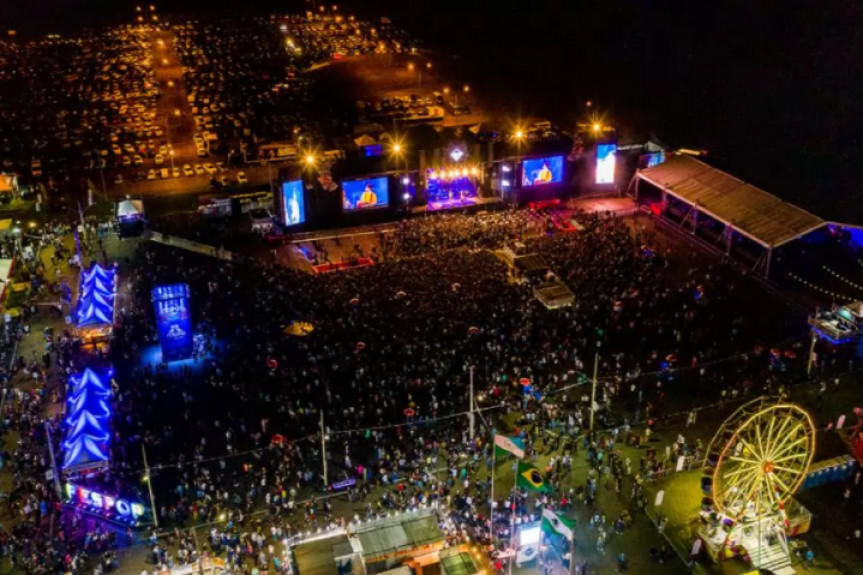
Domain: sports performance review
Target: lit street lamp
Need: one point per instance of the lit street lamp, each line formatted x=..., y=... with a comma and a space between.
x=518, y=136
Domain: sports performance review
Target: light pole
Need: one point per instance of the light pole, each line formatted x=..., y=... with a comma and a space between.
x=472, y=430
x=324, y=448
x=593, y=389
x=149, y=479
x=518, y=137
x=171, y=154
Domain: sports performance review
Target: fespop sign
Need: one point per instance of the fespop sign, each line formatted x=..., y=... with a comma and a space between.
x=119, y=508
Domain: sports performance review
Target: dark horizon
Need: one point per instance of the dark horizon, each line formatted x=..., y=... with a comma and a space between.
x=767, y=89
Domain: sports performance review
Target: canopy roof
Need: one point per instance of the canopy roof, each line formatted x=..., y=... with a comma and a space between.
x=758, y=215
x=129, y=208
x=96, y=297
x=87, y=429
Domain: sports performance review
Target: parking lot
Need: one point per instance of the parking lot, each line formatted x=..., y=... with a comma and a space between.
x=191, y=106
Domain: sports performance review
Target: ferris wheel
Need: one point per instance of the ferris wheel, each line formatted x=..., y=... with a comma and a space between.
x=758, y=459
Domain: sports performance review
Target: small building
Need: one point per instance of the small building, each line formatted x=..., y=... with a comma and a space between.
x=333, y=554
x=554, y=295
x=455, y=561
x=392, y=541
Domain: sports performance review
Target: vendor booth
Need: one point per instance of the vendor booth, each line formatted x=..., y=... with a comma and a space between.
x=129, y=217
x=94, y=313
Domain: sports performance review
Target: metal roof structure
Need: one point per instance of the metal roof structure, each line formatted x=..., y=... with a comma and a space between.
x=456, y=562
x=319, y=556
x=400, y=533
x=754, y=213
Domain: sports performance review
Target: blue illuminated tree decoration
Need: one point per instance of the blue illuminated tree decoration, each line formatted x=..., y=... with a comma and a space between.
x=95, y=297
x=87, y=424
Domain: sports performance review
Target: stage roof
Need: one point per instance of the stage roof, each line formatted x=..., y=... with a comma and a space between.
x=758, y=215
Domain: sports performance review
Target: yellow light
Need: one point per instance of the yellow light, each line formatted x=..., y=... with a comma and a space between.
x=177, y=112
x=428, y=65
x=446, y=89
x=170, y=83
x=310, y=159
x=411, y=67
x=597, y=127
x=466, y=88
x=397, y=148
x=172, y=152
x=164, y=61
x=519, y=134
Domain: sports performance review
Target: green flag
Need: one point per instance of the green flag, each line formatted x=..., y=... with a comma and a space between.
x=557, y=523
x=530, y=478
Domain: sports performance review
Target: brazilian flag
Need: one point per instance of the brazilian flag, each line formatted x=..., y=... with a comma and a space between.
x=530, y=478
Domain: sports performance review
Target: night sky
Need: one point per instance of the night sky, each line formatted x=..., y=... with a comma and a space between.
x=771, y=89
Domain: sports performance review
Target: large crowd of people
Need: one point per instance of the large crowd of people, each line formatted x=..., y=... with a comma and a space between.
x=233, y=435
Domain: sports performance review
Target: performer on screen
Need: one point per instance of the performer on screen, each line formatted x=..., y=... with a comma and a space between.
x=543, y=176
x=368, y=198
x=293, y=209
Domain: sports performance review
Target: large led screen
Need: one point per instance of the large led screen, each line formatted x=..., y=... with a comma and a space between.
x=542, y=171
x=294, y=205
x=365, y=194
x=174, y=322
x=605, y=163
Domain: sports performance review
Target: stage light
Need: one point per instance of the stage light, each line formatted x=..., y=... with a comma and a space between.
x=406, y=181
x=506, y=168
x=397, y=148
x=406, y=196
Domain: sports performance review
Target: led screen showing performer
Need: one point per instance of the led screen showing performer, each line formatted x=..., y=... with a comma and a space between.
x=365, y=194
x=542, y=171
x=294, y=204
x=605, y=161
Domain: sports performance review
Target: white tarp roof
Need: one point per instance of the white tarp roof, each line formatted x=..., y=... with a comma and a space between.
x=127, y=208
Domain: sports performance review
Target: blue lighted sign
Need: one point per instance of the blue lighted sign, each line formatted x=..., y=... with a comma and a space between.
x=174, y=321
x=93, y=500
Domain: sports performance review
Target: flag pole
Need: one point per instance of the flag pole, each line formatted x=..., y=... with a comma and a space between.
x=512, y=519
x=491, y=492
